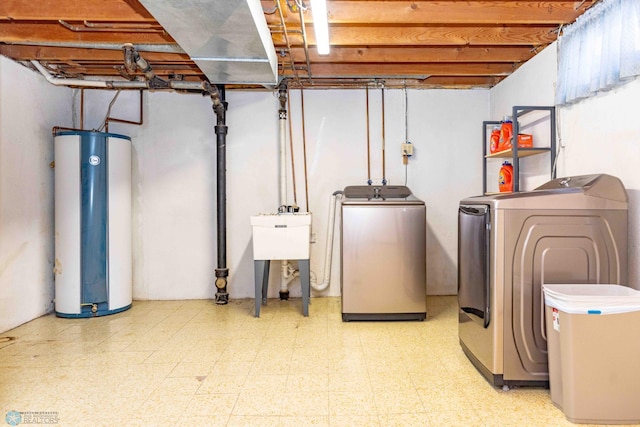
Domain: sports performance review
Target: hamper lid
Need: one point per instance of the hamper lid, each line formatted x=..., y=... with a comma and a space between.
x=591, y=298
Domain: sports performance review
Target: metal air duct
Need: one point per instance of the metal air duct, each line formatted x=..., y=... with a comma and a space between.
x=228, y=39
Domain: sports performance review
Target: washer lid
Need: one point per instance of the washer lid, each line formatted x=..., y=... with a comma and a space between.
x=578, y=192
x=597, y=185
x=387, y=194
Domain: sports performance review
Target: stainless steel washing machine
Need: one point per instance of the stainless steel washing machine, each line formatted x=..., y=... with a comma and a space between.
x=569, y=230
x=383, y=239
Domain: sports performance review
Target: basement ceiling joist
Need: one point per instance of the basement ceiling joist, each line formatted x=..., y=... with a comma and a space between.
x=449, y=43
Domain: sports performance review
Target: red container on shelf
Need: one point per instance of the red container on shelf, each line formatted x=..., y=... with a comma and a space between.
x=495, y=140
x=525, y=140
x=505, y=178
x=506, y=133
x=506, y=137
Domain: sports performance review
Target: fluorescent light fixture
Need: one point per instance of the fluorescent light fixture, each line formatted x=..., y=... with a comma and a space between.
x=320, y=25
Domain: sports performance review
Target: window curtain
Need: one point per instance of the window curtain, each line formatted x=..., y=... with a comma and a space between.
x=600, y=51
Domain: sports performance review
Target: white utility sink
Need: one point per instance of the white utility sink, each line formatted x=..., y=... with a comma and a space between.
x=281, y=236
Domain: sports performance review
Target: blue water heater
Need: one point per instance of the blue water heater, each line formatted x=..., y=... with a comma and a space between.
x=93, y=260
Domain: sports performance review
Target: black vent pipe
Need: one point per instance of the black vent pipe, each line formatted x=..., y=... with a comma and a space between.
x=222, y=272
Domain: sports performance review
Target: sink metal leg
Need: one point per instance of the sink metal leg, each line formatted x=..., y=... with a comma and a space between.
x=261, y=277
x=305, y=284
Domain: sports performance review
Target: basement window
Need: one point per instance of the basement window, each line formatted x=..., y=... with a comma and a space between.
x=600, y=51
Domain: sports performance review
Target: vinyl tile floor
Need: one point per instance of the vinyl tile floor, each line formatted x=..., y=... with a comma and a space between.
x=195, y=363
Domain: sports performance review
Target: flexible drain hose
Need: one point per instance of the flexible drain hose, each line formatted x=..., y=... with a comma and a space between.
x=329, y=244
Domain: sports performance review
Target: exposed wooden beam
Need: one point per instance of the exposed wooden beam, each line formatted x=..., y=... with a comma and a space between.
x=428, y=69
x=89, y=10
x=471, y=43
x=445, y=12
x=428, y=83
x=86, y=63
x=430, y=36
x=20, y=31
x=44, y=53
x=419, y=54
x=461, y=82
x=113, y=70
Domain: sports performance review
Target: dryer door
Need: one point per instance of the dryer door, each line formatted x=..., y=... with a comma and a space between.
x=473, y=261
x=551, y=247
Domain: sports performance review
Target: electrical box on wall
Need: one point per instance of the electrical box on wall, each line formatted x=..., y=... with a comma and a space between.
x=407, y=149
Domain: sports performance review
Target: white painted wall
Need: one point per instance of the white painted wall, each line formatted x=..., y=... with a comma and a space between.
x=445, y=125
x=599, y=135
x=174, y=176
x=602, y=135
x=174, y=189
x=174, y=172
x=29, y=108
x=533, y=84
x=444, y=128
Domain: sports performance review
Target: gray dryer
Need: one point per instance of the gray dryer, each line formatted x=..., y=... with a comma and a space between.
x=569, y=230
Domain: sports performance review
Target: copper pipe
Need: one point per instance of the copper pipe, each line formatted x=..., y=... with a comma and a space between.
x=139, y=122
x=304, y=41
x=286, y=37
x=368, y=142
x=304, y=151
x=56, y=129
x=115, y=28
x=138, y=26
x=293, y=162
x=384, y=177
x=82, y=108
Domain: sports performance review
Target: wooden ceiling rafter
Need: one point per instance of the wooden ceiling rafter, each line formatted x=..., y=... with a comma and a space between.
x=457, y=44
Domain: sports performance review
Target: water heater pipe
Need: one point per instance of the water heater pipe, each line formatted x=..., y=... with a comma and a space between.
x=117, y=84
x=87, y=83
x=329, y=244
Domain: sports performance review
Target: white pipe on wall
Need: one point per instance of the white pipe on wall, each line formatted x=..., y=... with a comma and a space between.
x=284, y=280
x=68, y=82
x=114, y=84
x=283, y=160
x=329, y=245
x=285, y=276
